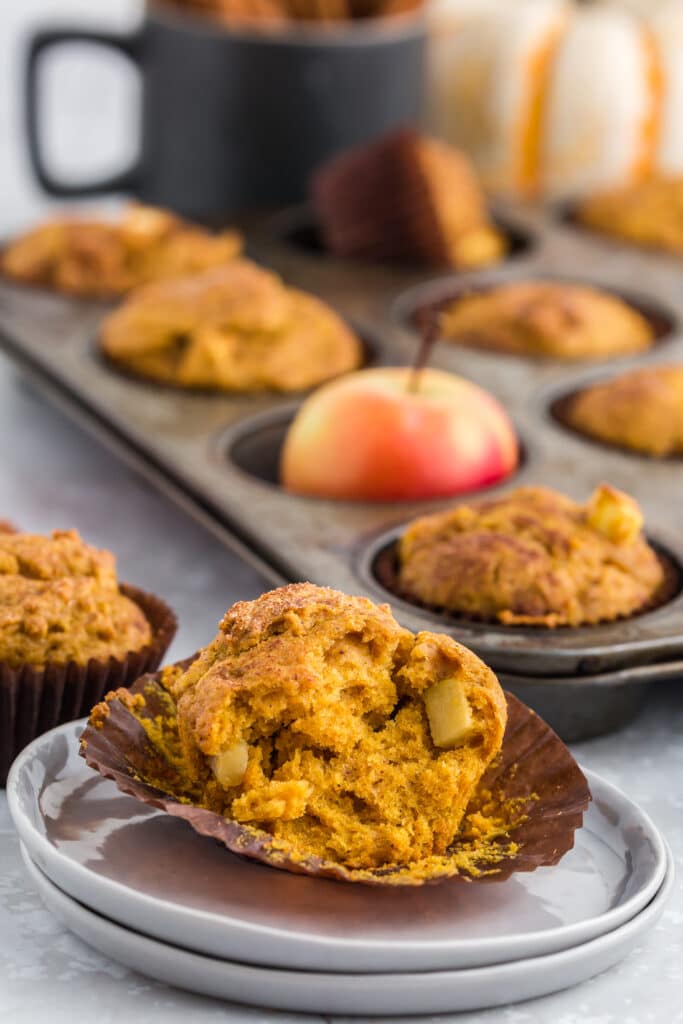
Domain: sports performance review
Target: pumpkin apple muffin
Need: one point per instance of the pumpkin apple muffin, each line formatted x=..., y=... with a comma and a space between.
x=641, y=410
x=649, y=213
x=232, y=328
x=60, y=602
x=546, y=319
x=315, y=717
x=535, y=557
x=102, y=258
x=406, y=198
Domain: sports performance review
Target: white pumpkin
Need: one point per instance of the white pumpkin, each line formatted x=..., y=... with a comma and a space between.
x=485, y=87
x=641, y=8
x=667, y=26
x=553, y=98
x=601, y=117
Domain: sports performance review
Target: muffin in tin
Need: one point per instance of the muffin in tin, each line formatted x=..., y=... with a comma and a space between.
x=68, y=633
x=232, y=328
x=649, y=213
x=546, y=319
x=534, y=557
x=641, y=410
x=408, y=199
x=103, y=259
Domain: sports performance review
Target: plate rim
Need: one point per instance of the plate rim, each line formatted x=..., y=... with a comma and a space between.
x=304, y=948
x=566, y=967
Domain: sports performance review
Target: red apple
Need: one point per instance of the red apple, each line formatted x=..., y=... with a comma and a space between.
x=369, y=437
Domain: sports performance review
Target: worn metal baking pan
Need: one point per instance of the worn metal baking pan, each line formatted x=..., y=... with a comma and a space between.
x=581, y=707
x=218, y=453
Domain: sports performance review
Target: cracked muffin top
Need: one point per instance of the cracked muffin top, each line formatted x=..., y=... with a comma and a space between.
x=641, y=410
x=649, y=213
x=232, y=328
x=546, y=318
x=60, y=602
x=315, y=717
x=534, y=557
x=107, y=258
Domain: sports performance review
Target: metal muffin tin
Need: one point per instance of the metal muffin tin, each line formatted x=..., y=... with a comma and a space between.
x=217, y=454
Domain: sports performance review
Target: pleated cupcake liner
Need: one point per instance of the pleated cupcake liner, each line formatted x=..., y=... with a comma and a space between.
x=374, y=203
x=34, y=699
x=535, y=774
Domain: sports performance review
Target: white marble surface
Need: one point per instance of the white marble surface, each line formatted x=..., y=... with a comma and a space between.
x=52, y=475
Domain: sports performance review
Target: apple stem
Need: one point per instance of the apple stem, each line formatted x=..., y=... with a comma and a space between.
x=429, y=325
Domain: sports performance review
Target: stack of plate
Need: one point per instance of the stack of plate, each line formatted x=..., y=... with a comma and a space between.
x=144, y=889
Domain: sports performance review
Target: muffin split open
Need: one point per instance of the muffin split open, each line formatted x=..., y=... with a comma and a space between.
x=316, y=717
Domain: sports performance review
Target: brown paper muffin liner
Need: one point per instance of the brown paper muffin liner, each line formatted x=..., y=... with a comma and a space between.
x=535, y=791
x=34, y=698
x=374, y=204
x=386, y=572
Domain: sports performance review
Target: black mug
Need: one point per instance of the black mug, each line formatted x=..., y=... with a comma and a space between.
x=237, y=120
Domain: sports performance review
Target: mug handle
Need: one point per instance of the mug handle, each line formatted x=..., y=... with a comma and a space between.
x=130, y=45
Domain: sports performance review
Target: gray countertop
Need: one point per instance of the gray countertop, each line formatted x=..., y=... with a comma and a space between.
x=53, y=476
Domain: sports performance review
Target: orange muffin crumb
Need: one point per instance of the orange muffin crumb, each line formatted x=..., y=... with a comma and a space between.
x=315, y=717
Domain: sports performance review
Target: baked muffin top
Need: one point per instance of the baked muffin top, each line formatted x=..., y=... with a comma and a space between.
x=233, y=328
x=315, y=717
x=406, y=198
x=649, y=213
x=60, y=602
x=641, y=410
x=534, y=557
x=107, y=258
x=547, y=318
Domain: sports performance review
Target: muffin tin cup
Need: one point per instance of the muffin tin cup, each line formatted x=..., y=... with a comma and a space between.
x=651, y=635
x=34, y=699
x=532, y=760
x=218, y=454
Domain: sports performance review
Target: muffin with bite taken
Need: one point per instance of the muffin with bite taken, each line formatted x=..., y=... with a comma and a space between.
x=232, y=328
x=534, y=557
x=104, y=258
x=314, y=717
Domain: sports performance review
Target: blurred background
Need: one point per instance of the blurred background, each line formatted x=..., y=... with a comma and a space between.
x=90, y=97
x=550, y=98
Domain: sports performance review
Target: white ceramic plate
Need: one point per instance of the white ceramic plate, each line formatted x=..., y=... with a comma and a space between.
x=364, y=994
x=152, y=873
